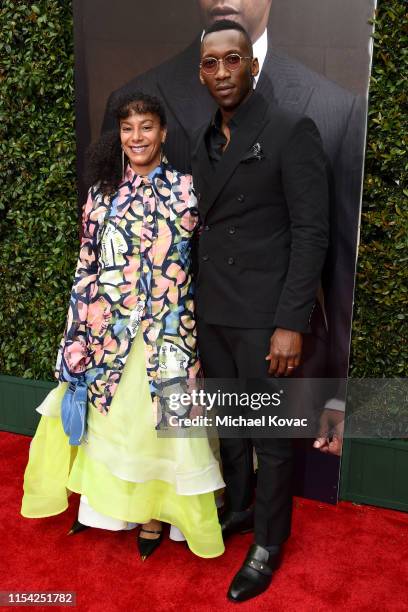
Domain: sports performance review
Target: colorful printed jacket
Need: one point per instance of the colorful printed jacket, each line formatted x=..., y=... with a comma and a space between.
x=133, y=270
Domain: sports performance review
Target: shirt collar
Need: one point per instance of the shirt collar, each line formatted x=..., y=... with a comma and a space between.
x=260, y=51
x=135, y=179
x=236, y=117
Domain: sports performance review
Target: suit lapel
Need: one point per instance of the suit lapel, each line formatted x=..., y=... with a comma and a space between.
x=280, y=81
x=201, y=161
x=242, y=139
x=180, y=86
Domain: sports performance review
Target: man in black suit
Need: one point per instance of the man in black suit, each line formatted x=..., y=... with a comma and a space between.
x=260, y=174
x=339, y=116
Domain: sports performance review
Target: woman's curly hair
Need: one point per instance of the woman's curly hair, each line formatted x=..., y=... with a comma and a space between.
x=104, y=157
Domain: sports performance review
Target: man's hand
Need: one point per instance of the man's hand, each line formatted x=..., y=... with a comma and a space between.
x=330, y=438
x=285, y=352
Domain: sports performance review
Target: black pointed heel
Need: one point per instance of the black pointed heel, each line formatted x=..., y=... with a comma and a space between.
x=148, y=546
x=77, y=527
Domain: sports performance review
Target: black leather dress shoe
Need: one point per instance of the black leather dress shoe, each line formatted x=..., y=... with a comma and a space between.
x=255, y=575
x=236, y=522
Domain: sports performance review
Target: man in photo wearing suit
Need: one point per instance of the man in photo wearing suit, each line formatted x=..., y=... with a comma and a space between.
x=260, y=175
x=339, y=116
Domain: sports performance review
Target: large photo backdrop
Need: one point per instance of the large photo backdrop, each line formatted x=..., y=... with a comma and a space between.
x=316, y=61
x=116, y=43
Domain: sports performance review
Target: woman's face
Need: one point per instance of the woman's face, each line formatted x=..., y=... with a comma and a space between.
x=141, y=136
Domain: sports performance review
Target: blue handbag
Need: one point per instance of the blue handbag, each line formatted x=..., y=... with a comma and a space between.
x=74, y=411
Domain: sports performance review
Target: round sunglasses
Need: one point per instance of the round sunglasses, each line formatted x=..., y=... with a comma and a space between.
x=231, y=62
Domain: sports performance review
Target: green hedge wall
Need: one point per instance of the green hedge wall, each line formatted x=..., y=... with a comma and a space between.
x=38, y=213
x=38, y=210
x=380, y=326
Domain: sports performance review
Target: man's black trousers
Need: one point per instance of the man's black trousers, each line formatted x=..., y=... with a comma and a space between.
x=230, y=353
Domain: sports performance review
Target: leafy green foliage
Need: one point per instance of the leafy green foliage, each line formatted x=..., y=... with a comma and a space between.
x=38, y=210
x=380, y=328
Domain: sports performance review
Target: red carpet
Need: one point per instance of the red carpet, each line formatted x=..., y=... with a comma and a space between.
x=343, y=557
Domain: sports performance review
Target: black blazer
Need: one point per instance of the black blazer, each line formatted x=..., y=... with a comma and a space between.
x=264, y=212
x=340, y=118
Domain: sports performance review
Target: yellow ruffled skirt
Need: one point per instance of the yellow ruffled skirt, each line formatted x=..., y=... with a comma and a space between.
x=124, y=470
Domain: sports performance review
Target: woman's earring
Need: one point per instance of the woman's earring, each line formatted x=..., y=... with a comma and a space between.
x=123, y=164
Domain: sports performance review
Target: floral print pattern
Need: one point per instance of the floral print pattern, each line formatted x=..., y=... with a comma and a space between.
x=133, y=272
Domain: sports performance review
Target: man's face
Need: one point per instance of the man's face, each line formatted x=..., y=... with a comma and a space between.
x=251, y=14
x=228, y=87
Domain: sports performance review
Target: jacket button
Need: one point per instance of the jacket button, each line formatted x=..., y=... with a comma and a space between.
x=205, y=258
x=241, y=197
x=231, y=261
x=206, y=228
x=231, y=230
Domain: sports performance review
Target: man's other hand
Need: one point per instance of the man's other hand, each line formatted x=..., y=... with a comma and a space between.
x=285, y=352
x=330, y=438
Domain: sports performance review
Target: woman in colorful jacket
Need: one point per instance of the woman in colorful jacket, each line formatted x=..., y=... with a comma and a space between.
x=130, y=333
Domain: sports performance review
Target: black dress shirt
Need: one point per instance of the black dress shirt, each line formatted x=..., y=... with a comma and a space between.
x=215, y=139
